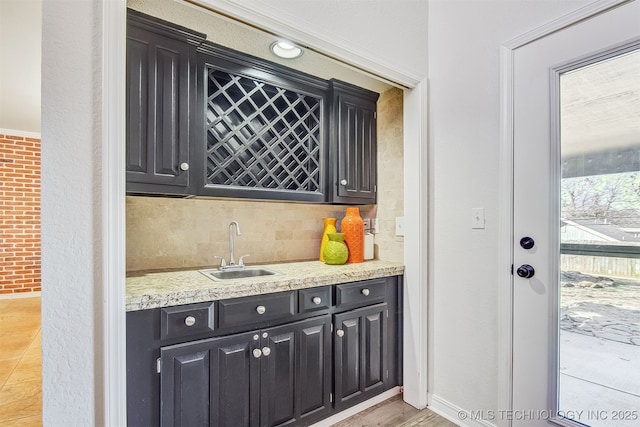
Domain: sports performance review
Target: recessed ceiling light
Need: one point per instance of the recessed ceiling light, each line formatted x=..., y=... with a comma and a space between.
x=285, y=49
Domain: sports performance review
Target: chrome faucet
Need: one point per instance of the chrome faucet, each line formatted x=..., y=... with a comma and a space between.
x=232, y=261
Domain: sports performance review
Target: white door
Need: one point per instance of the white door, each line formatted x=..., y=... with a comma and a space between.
x=538, y=68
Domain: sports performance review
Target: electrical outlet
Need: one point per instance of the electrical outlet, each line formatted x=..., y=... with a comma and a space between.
x=399, y=226
x=367, y=223
x=375, y=226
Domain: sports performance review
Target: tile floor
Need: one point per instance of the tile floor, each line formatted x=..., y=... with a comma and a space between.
x=20, y=363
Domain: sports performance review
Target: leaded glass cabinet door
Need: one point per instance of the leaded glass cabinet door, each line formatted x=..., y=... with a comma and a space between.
x=263, y=135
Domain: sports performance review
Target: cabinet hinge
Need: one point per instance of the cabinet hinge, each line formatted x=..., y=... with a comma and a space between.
x=387, y=313
x=331, y=327
x=375, y=114
x=331, y=397
x=375, y=188
x=158, y=365
x=387, y=374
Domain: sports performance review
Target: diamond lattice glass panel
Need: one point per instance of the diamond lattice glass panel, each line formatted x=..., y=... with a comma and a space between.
x=260, y=135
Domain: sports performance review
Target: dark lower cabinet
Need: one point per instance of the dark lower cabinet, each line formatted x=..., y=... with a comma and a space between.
x=360, y=354
x=209, y=382
x=223, y=363
x=273, y=377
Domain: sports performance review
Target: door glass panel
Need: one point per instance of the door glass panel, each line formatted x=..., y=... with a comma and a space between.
x=599, y=337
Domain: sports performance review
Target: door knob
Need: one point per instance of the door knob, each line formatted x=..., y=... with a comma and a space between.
x=184, y=166
x=527, y=242
x=526, y=271
x=343, y=182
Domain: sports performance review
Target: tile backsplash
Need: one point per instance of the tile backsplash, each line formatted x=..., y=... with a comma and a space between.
x=183, y=233
x=177, y=233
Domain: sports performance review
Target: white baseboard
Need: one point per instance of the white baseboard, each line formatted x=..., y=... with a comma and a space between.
x=343, y=415
x=460, y=416
x=18, y=295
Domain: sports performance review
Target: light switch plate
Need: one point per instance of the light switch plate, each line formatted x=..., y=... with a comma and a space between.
x=477, y=218
x=399, y=226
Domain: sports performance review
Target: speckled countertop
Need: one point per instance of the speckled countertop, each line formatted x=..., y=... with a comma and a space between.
x=154, y=289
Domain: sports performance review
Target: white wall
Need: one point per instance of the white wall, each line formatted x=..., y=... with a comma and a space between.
x=72, y=185
x=464, y=134
x=464, y=39
x=20, y=35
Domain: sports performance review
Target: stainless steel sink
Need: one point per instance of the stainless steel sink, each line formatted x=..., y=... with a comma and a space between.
x=216, y=274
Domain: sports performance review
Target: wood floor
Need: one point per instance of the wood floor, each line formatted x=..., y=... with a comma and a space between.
x=395, y=413
x=20, y=363
x=21, y=377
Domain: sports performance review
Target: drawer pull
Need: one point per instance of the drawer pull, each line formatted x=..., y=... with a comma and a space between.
x=317, y=300
x=365, y=292
x=257, y=353
x=340, y=333
x=261, y=309
x=189, y=320
x=266, y=351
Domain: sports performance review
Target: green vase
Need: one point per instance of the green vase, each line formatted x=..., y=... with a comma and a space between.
x=335, y=250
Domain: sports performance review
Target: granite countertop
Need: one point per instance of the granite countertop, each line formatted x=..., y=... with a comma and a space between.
x=152, y=289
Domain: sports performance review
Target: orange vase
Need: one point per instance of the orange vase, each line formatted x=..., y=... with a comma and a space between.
x=352, y=226
x=329, y=227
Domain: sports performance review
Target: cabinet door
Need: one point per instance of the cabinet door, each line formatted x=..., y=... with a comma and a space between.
x=157, y=129
x=360, y=354
x=296, y=378
x=355, y=130
x=213, y=382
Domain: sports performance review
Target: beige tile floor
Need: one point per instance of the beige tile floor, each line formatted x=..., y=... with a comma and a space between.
x=20, y=363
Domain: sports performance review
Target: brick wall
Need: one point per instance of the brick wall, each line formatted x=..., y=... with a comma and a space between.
x=19, y=214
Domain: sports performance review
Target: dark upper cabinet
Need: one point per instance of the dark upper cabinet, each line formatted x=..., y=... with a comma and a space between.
x=205, y=120
x=160, y=80
x=354, y=148
x=262, y=129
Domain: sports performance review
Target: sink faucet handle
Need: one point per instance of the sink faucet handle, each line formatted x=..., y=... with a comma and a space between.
x=223, y=263
x=241, y=261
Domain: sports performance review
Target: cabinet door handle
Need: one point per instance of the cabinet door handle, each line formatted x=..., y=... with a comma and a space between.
x=261, y=309
x=340, y=333
x=184, y=166
x=266, y=351
x=189, y=320
x=316, y=300
x=343, y=182
x=257, y=353
x=365, y=292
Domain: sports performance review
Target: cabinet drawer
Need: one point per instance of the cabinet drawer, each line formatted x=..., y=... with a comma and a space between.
x=256, y=309
x=186, y=320
x=360, y=293
x=314, y=299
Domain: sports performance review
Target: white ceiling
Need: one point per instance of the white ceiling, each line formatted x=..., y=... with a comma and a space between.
x=600, y=105
x=20, y=53
x=245, y=38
